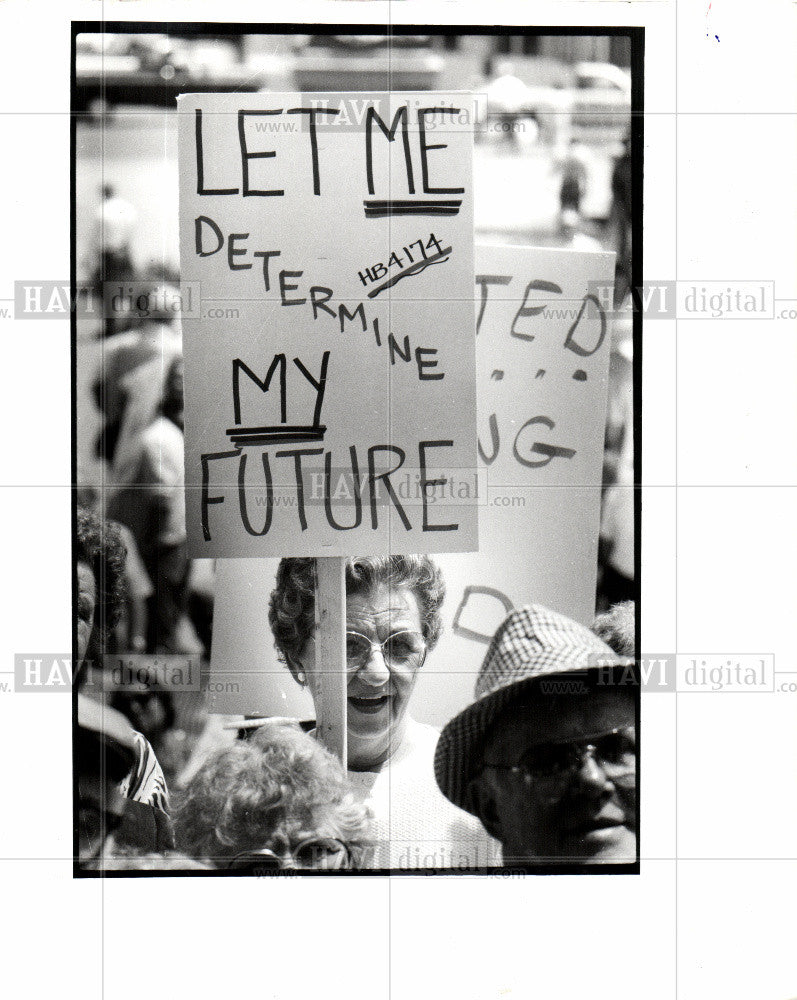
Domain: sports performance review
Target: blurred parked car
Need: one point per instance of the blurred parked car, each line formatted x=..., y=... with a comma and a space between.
x=562, y=100
x=600, y=96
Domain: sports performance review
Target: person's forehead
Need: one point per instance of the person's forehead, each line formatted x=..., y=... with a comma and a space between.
x=383, y=606
x=560, y=718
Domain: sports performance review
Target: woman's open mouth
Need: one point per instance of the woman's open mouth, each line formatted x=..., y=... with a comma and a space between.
x=370, y=704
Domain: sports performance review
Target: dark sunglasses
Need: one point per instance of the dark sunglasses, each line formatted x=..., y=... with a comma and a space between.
x=549, y=768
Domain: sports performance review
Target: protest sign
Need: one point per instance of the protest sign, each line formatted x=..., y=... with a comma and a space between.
x=543, y=354
x=245, y=675
x=332, y=239
x=543, y=346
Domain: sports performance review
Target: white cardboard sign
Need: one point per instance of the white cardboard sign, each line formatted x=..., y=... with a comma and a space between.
x=332, y=239
x=542, y=352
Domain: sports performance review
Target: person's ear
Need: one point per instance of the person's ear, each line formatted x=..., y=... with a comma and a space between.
x=482, y=802
x=296, y=669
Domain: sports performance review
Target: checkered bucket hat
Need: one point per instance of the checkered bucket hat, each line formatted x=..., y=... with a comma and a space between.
x=531, y=644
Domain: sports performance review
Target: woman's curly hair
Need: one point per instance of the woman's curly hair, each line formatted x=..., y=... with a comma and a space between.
x=99, y=545
x=268, y=792
x=291, y=611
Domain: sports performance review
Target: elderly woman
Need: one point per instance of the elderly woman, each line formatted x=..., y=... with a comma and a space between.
x=278, y=800
x=392, y=622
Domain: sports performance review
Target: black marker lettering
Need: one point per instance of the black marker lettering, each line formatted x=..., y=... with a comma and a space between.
x=358, y=503
x=394, y=348
x=422, y=363
x=198, y=222
x=207, y=500
x=373, y=477
x=526, y=310
x=571, y=344
x=318, y=303
x=246, y=156
x=549, y=450
x=496, y=442
x=200, y=163
x=285, y=287
x=311, y=113
x=242, y=495
x=400, y=117
x=484, y=281
x=239, y=366
x=296, y=454
x=319, y=386
x=266, y=255
x=232, y=252
x=422, y=447
x=344, y=314
x=425, y=147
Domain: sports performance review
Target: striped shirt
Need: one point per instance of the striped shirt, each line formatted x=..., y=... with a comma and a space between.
x=146, y=783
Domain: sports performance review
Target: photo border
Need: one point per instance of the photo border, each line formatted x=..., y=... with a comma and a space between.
x=636, y=36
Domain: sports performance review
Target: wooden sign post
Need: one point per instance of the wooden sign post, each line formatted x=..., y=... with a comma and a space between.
x=330, y=654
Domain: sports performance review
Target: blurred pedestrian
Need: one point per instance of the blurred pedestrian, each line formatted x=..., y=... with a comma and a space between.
x=128, y=388
x=573, y=184
x=621, y=218
x=149, y=499
x=111, y=248
x=507, y=97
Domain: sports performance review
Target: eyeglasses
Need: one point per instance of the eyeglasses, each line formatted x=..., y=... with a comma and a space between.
x=401, y=649
x=326, y=853
x=549, y=768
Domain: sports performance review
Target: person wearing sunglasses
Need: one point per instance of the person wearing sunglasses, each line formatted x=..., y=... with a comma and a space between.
x=276, y=801
x=546, y=754
x=393, y=623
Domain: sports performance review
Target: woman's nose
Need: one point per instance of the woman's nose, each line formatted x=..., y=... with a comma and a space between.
x=375, y=671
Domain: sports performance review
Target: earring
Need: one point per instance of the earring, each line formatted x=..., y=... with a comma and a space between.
x=301, y=677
